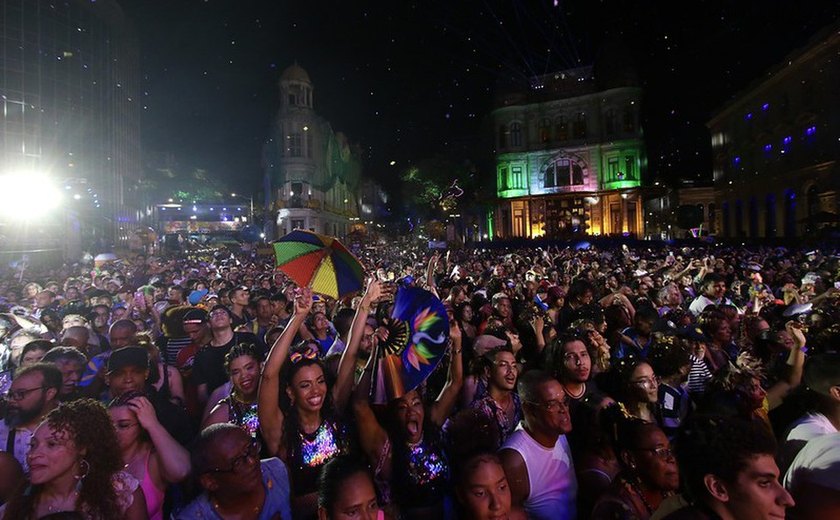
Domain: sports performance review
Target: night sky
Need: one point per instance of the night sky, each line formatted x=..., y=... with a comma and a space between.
x=408, y=80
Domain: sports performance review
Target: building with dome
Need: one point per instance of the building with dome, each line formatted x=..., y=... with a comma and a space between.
x=311, y=171
x=570, y=155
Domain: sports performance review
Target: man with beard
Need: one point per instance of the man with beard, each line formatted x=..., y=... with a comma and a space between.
x=34, y=392
x=536, y=458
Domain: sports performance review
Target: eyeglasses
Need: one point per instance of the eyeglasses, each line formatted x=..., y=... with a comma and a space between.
x=553, y=405
x=252, y=451
x=648, y=382
x=20, y=395
x=124, y=426
x=662, y=453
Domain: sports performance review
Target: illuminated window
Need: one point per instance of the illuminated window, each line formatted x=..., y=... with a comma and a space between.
x=629, y=166
x=515, y=134
x=503, y=178
x=612, y=168
x=517, y=179
x=562, y=172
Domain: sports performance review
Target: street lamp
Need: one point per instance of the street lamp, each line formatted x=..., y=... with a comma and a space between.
x=251, y=200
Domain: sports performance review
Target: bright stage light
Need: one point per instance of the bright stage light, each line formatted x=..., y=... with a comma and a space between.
x=27, y=196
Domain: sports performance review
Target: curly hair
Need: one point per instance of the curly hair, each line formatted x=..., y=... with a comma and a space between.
x=87, y=423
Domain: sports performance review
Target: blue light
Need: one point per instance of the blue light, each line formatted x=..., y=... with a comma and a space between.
x=811, y=130
x=768, y=147
x=765, y=107
x=737, y=159
x=748, y=116
x=787, y=140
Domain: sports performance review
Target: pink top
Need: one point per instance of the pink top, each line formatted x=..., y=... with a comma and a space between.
x=153, y=495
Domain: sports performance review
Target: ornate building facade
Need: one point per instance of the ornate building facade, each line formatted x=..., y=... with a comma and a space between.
x=570, y=157
x=776, y=147
x=311, y=172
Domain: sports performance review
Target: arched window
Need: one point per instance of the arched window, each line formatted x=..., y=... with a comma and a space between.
x=562, y=172
x=515, y=134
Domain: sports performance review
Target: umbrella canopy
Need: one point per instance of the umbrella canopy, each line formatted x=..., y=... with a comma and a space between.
x=418, y=330
x=319, y=262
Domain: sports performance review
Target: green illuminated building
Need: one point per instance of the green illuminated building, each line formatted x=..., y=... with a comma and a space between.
x=570, y=157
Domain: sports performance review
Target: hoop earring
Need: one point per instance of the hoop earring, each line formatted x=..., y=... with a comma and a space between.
x=84, y=465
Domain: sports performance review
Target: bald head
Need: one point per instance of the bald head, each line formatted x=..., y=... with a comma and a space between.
x=121, y=333
x=75, y=336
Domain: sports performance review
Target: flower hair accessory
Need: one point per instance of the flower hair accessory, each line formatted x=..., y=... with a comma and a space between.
x=307, y=352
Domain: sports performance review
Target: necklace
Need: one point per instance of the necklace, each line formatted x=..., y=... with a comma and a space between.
x=57, y=505
x=638, y=492
x=579, y=394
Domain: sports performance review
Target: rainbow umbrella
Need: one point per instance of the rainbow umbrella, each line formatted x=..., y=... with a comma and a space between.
x=319, y=262
x=418, y=330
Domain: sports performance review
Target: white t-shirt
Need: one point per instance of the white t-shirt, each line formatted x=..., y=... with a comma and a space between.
x=808, y=427
x=817, y=463
x=551, y=475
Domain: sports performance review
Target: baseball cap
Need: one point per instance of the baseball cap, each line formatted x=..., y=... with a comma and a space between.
x=195, y=297
x=128, y=357
x=220, y=306
x=197, y=316
x=693, y=333
x=486, y=343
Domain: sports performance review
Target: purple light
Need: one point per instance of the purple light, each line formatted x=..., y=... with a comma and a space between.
x=768, y=147
x=748, y=116
x=811, y=130
x=737, y=159
x=787, y=140
x=765, y=107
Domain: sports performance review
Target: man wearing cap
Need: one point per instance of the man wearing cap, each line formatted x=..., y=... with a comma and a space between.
x=208, y=369
x=128, y=371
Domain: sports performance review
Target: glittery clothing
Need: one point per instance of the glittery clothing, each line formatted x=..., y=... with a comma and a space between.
x=426, y=477
x=243, y=414
x=489, y=407
x=312, y=452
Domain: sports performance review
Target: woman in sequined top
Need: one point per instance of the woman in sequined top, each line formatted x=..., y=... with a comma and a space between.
x=411, y=468
x=306, y=430
x=242, y=363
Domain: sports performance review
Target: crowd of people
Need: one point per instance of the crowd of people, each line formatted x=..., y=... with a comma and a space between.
x=578, y=382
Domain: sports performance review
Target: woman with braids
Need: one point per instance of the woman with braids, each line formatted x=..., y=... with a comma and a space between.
x=648, y=468
x=74, y=465
x=149, y=453
x=306, y=431
x=242, y=363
